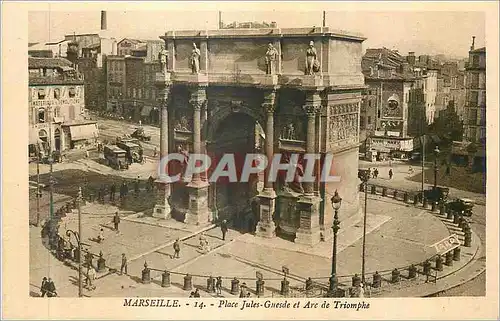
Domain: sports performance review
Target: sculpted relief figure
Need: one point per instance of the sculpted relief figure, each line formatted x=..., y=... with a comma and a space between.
x=312, y=63
x=271, y=57
x=182, y=124
x=163, y=56
x=194, y=61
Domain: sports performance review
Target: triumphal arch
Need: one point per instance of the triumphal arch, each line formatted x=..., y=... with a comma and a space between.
x=263, y=91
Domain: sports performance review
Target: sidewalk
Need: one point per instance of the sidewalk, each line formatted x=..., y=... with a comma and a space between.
x=400, y=180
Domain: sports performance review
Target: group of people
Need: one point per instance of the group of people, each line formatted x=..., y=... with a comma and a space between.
x=374, y=172
x=124, y=189
x=48, y=288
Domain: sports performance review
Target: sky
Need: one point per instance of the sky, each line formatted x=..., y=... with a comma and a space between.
x=425, y=32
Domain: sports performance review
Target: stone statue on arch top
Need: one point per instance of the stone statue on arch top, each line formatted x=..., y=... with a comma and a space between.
x=163, y=58
x=312, y=63
x=271, y=58
x=194, y=61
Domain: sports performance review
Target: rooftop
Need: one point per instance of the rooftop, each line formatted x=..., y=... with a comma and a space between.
x=479, y=50
x=36, y=63
x=265, y=33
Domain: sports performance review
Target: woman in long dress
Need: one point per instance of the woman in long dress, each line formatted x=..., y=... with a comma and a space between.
x=311, y=55
x=195, y=59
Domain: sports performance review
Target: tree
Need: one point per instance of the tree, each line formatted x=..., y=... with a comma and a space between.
x=448, y=125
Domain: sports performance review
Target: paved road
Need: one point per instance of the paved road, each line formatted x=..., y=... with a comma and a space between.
x=475, y=287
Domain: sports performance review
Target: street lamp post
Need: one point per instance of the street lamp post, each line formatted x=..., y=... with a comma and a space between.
x=364, y=176
x=436, y=153
x=78, y=237
x=336, y=202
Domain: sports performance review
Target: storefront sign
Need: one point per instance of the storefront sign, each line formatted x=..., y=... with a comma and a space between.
x=392, y=144
x=447, y=244
x=55, y=102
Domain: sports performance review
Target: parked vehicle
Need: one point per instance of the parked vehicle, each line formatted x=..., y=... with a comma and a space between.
x=140, y=134
x=437, y=194
x=461, y=205
x=134, y=151
x=115, y=157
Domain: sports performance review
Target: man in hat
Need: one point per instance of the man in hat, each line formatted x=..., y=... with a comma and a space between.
x=136, y=185
x=223, y=228
x=112, y=192
x=124, y=264
x=51, y=288
x=177, y=249
x=43, y=287
x=218, y=285
x=116, y=221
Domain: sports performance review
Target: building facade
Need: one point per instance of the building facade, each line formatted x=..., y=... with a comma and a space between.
x=475, y=92
x=305, y=97
x=56, y=107
x=387, y=102
x=131, y=87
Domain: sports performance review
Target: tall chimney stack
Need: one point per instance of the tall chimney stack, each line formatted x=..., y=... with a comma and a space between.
x=221, y=25
x=104, y=24
x=473, y=41
x=324, y=19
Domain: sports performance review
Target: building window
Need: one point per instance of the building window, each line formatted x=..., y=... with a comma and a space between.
x=72, y=92
x=41, y=93
x=473, y=116
x=41, y=115
x=369, y=120
x=57, y=93
x=42, y=134
x=361, y=123
x=473, y=98
x=57, y=111
x=369, y=103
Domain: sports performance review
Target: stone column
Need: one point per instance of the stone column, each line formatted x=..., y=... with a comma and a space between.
x=198, y=211
x=266, y=226
x=162, y=208
x=308, y=204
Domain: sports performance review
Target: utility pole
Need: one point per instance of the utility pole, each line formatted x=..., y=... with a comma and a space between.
x=51, y=161
x=324, y=19
x=80, y=281
x=423, y=149
x=38, y=186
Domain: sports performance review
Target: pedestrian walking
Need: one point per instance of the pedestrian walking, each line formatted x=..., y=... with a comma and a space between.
x=410, y=170
x=390, y=173
x=361, y=290
x=91, y=275
x=125, y=188
x=177, y=249
x=223, y=228
x=51, y=288
x=137, y=185
x=218, y=285
x=151, y=182
x=448, y=170
x=124, y=264
x=102, y=192
x=122, y=191
x=43, y=287
x=112, y=192
x=116, y=222
x=376, y=172
x=155, y=152
x=100, y=237
x=88, y=259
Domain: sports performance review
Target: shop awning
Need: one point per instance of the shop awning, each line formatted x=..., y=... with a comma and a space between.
x=85, y=131
x=146, y=110
x=58, y=120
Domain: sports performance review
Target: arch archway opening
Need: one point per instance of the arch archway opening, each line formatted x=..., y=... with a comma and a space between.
x=236, y=136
